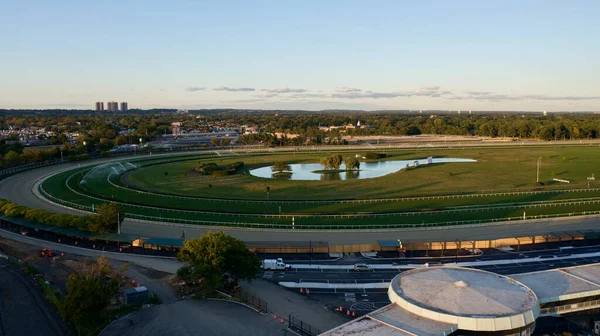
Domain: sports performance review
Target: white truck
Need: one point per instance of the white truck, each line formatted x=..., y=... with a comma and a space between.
x=275, y=264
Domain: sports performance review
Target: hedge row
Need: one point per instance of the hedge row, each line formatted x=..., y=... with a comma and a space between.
x=46, y=217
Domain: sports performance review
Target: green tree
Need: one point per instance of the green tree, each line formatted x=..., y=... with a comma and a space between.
x=280, y=166
x=326, y=162
x=352, y=163
x=86, y=301
x=109, y=214
x=217, y=258
x=12, y=159
x=336, y=161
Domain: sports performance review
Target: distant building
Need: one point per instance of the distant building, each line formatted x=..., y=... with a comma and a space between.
x=99, y=106
x=123, y=106
x=112, y=106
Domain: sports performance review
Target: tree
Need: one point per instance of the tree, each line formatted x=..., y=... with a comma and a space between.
x=326, y=162
x=280, y=166
x=217, y=258
x=87, y=298
x=110, y=215
x=12, y=159
x=215, y=142
x=336, y=161
x=352, y=163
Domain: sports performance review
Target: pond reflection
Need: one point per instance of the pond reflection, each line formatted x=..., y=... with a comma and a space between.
x=305, y=171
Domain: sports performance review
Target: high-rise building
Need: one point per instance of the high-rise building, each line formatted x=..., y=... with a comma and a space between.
x=99, y=106
x=113, y=106
x=123, y=106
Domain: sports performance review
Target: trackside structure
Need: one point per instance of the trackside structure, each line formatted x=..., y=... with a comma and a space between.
x=443, y=301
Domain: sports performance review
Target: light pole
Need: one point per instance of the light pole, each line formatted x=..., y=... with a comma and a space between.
x=538, y=169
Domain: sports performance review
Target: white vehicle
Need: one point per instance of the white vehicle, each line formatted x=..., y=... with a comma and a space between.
x=275, y=264
x=362, y=268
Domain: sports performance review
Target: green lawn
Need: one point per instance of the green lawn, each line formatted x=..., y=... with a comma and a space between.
x=496, y=169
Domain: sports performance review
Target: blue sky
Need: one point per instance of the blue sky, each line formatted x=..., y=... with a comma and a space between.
x=466, y=55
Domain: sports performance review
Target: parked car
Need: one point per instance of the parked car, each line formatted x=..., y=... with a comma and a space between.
x=362, y=268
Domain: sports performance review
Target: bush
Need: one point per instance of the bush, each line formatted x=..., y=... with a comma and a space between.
x=105, y=153
x=375, y=156
x=216, y=170
x=221, y=173
x=45, y=217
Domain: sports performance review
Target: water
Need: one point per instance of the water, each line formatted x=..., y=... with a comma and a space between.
x=304, y=172
x=102, y=171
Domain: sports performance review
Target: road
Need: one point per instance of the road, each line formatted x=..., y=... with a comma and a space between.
x=195, y=317
x=366, y=300
x=23, y=309
x=18, y=189
x=349, y=276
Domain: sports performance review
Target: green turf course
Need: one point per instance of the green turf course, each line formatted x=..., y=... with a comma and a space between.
x=497, y=169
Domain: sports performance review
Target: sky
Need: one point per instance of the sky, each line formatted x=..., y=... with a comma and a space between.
x=451, y=55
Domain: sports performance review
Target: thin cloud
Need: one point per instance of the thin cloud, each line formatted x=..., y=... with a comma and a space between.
x=284, y=90
x=194, y=89
x=267, y=95
x=243, y=101
x=490, y=96
x=226, y=88
x=430, y=91
x=478, y=93
x=346, y=89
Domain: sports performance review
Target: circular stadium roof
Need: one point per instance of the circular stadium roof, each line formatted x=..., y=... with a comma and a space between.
x=474, y=299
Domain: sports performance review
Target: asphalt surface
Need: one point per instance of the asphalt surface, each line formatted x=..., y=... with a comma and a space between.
x=194, y=317
x=363, y=301
x=23, y=309
x=18, y=188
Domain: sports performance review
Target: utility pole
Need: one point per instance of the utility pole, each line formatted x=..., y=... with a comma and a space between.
x=538, y=169
x=119, y=222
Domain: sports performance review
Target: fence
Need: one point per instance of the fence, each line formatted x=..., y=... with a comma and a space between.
x=455, y=209
x=434, y=225
x=302, y=327
x=250, y=299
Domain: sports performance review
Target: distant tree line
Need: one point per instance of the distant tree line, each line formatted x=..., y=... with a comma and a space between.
x=102, y=131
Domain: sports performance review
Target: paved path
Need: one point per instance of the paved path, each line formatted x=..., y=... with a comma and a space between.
x=168, y=265
x=23, y=309
x=284, y=302
x=194, y=317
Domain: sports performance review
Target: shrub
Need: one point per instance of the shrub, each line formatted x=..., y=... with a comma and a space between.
x=375, y=156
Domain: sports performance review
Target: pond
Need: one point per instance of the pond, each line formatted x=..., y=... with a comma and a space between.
x=305, y=171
